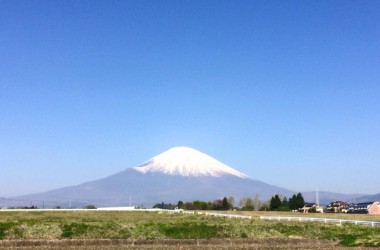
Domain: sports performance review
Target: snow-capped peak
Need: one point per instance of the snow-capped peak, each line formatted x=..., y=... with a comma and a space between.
x=186, y=161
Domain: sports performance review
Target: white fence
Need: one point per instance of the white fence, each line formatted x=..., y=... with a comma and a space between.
x=47, y=210
x=325, y=220
x=177, y=211
x=236, y=216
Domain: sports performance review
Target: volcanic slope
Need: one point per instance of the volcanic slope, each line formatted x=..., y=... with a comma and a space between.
x=181, y=173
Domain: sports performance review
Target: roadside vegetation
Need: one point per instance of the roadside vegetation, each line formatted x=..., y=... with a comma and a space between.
x=245, y=204
x=143, y=225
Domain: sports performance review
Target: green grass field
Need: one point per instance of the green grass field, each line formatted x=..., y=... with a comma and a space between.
x=142, y=225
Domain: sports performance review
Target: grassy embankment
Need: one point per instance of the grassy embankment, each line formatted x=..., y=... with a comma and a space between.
x=155, y=225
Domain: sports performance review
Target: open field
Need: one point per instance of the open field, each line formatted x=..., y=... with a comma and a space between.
x=129, y=229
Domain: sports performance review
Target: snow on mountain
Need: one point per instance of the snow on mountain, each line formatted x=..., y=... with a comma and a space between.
x=185, y=161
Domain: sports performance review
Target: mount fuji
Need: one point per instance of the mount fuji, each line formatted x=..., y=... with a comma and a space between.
x=184, y=161
x=180, y=173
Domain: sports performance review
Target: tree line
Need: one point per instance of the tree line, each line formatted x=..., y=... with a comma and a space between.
x=294, y=203
x=220, y=204
x=276, y=203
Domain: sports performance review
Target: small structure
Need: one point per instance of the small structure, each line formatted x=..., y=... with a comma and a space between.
x=319, y=209
x=311, y=207
x=365, y=208
x=338, y=207
x=374, y=208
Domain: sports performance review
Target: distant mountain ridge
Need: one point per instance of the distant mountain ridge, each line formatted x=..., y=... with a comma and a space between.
x=179, y=173
x=326, y=197
x=366, y=198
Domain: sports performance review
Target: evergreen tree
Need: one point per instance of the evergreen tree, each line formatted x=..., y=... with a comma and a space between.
x=293, y=202
x=275, y=203
x=180, y=204
x=225, y=204
x=285, y=203
x=300, y=201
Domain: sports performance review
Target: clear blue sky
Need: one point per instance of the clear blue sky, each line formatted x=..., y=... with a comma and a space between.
x=287, y=92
